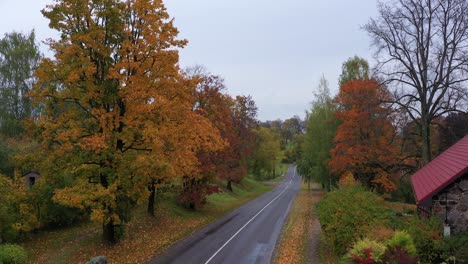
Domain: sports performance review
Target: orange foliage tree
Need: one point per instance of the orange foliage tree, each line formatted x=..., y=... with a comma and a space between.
x=234, y=118
x=117, y=109
x=365, y=141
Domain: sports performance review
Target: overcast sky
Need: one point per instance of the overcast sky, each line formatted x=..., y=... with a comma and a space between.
x=274, y=50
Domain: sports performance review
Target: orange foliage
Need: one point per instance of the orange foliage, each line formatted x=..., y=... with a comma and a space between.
x=118, y=113
x=365, y=141
x=300, y=235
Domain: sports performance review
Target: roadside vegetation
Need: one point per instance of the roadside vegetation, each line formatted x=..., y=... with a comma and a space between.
x=387, y=121
x=375, y=231
x=296, y=244
x=146, y=236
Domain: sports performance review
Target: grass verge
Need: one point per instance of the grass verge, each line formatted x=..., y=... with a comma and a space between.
x=299, y=238
x=145, y=237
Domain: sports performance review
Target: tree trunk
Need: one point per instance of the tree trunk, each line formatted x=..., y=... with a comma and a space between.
x=426, y=142
x=109, y=232
x=229, y=185
x=151, y=198
x=108, y=228
x=308, y=185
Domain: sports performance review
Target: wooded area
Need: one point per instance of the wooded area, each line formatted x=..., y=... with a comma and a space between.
x=111, y=121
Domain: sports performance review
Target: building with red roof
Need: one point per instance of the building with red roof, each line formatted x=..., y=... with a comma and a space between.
x=441, y=187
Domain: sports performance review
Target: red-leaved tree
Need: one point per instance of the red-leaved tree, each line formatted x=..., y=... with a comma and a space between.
x=365, y=140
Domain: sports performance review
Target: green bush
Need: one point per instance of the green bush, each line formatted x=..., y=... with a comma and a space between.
x=457, y=247
x=54, y=215
x=8, y=214
x=403, y=240
x=365, y=246
x=348, y=214
x=12, y=254
x=429, y=244
x=404, y=192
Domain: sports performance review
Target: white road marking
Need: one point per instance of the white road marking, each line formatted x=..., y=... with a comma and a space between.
x=251, y=219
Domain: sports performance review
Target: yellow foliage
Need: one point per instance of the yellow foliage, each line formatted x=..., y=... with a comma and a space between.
x=16, y=196
x=347, y=180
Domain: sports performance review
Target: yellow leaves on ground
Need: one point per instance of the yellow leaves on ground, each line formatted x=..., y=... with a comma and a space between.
x=296, y=237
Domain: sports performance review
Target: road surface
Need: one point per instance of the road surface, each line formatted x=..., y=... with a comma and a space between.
x=245, y=235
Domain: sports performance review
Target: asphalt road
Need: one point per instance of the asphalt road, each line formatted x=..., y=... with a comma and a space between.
x=246, y=235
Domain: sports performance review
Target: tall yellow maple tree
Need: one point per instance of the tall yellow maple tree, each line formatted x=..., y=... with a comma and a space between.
x=117, y=108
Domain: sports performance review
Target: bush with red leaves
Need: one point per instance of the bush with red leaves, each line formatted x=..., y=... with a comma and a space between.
x=367, y=259
x=195, y=192
x=398, y=255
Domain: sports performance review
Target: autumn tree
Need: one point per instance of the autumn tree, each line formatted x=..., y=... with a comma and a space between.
x=118, y=112
x=293, y=151
x=422, y=54
x=318, y=139
x=355, y=68
x=6, y=209
x=233, y=119
x=267, y=150
x=19, y=56
x=276, y=126
x=365, y=140
x=245, y=121
x=291, y=127
x=210, y=101
x=17, y=214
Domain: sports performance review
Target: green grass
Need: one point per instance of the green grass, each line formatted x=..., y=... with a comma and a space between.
x=282, y=168
x=244, y=191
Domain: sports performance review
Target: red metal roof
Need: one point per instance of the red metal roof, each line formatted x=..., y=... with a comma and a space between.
x=441, y=171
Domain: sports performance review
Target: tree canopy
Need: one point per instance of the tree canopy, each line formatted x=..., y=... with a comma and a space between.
x=19, y=56
x=421, y=54
x=117, y=109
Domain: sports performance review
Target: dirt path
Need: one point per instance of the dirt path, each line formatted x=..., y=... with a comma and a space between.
x=300, y=238
x=314, y=242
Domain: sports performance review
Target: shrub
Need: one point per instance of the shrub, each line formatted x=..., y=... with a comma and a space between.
x=194, y=194
x=427, y=239
x=53, y=214
x=12, y=254
x=457, y=247
x=404, y=241
x=398, y=255
x=404, y=192
x=381, y=234
x=366, y=251
x=348, y=214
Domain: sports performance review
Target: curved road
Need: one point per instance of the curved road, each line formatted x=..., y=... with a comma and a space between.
x=246, y=235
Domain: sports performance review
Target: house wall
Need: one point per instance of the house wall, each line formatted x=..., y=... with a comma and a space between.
x=31, y=178
x=456, y=204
